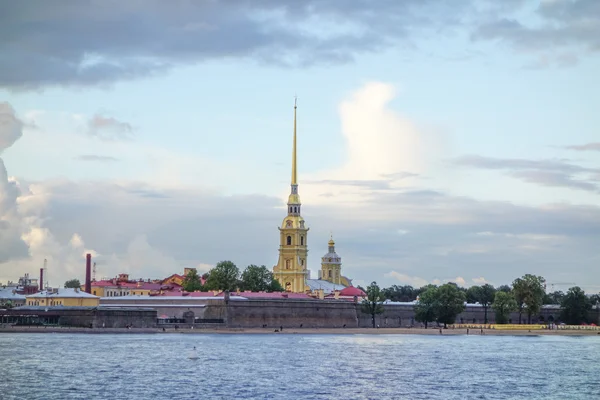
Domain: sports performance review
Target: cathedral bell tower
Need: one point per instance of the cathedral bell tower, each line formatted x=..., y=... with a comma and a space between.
x=291, y=269
x=331, y=265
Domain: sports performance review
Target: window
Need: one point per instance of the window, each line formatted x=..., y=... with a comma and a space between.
x=301, y=240
x=330, y=273
x=287, y=264
x=289, y=240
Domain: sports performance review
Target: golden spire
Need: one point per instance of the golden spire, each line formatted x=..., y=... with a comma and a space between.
x=294, y=179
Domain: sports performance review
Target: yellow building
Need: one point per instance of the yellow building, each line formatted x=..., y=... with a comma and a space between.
x=331, y=265
x=291, y=269
x=63, y=297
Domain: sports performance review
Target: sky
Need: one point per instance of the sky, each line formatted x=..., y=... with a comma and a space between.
x=437, y=141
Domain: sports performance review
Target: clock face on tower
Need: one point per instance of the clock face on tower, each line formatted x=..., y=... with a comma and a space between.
x=288, y=223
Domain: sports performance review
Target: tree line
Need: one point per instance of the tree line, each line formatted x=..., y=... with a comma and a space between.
x=227, y=276
x=443, y=303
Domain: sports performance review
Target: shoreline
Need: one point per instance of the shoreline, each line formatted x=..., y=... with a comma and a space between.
x=308, y=331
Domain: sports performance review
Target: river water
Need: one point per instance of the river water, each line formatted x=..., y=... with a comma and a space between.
x=297, y=366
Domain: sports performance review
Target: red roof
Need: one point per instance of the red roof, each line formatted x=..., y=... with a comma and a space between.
x=103, y=283
x=265, y=295
x=352, y=291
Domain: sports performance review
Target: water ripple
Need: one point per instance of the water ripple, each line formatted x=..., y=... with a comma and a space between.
x=80, y=366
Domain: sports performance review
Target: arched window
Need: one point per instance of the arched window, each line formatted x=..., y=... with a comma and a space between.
x=301, y=240
x=330, y=273
x=289, y=240
x=287, y=264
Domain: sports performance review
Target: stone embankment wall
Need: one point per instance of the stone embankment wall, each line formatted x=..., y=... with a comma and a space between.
x=396, y=316
x=291, y=313
x=82, y=317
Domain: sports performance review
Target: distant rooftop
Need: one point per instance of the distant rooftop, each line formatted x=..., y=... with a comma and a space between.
x=9, y=293
x=63, y=293
x=328, y=287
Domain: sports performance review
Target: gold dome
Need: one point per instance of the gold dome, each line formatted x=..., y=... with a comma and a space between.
x=293, y=221
x=294, y=199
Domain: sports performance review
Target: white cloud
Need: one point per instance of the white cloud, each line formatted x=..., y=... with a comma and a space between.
x=10, y=126
x=382, y=147
x=416, y=281
x=404, y=279
x=479, y=281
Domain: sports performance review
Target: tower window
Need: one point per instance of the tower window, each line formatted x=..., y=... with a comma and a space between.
x=287, y=264
x=289, y=240
x=330, y=273
x=295, y=209
x=301, y=240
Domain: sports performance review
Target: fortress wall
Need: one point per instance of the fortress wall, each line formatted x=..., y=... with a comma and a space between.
x=403, y=316
x=290, y=313
x=123, y=318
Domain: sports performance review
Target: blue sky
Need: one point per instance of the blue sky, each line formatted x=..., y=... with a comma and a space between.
x=438, y=141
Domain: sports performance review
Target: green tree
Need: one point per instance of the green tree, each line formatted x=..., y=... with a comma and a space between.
x=6, y=304
x=373, y=303
x=473, y=294
x=529, y=292
x=575, y=307
x=427, y=305
x=224, y=276
x=555, y=297
x=259, y=279
x=519, y=293
x=404, y=293
x=192, y=282
x=487, y=296
x=504, y=288
x=73, y=284
x=504, y=303
x=450, y=302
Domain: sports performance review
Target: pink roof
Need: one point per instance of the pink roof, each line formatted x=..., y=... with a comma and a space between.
x=102, y=283
x=149, y=286
x=273, y=295
x=200, y=294
x=352, y=291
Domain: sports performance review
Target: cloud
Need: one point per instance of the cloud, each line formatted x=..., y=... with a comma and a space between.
x=418, y=282
x=109, y=128
x=558, y=32
x=404, y=279
x=585, y=147
x=384, y=150
x=11, y=127
x=153, y=236
x=97, y=43
x=552, y=173
x=11, y=244
x=95, y=157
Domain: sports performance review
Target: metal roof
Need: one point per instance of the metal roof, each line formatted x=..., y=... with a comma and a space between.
x=328, y=287
x=62, y=293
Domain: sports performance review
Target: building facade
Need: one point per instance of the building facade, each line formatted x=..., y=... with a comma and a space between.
x=331, y=265
x=291, y=270
x=63, y=297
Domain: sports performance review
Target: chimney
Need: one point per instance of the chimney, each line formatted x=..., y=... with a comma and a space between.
x=88, y=273
x=41, y=279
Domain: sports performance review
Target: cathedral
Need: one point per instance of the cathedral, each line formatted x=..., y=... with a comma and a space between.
x=291, y=270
